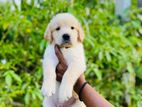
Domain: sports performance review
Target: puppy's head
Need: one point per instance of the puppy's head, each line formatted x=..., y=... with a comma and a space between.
x=64, y=30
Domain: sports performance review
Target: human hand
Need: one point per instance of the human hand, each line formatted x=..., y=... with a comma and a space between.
x=62, y=66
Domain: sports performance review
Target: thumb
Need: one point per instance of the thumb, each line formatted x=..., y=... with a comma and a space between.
x=59, y=54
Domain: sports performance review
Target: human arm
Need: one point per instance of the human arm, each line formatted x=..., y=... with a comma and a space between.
x=90, y=97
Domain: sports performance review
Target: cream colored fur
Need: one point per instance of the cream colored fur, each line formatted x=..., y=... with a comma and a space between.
x=55, y=93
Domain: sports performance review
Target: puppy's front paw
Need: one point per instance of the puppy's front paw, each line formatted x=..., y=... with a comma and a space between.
x=48, y=89
x=65, y=93
x=60, y=105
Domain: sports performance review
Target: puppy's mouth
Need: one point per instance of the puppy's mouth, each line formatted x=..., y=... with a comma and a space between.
x=66, y=45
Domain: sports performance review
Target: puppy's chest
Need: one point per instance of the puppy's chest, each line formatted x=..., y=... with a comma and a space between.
x=70, y=55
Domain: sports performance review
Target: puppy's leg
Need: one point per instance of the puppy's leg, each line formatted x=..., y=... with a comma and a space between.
x=49, y=101
x=70, y=77
x=49, y=77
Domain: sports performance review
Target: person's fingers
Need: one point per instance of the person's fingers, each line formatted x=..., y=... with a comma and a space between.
x=62, y=66
x=59, y=77
x=60, y=69
x=59, y=54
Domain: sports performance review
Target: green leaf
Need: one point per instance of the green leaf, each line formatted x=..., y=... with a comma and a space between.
x=15, y=76
x=8, y=80
x=42, y=45
x=39, y=95
x=100, y=55
x=108, y=57
x=98, y=73
x=130, y=67
x=27, y=98
x=33, y=95
x=139, y=72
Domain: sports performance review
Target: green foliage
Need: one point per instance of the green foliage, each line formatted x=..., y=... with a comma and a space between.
x=113, y=51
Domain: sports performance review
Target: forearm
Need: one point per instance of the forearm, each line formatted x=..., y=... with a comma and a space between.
x=90, y=96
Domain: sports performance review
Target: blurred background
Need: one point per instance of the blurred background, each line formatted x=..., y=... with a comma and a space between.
x=113, y=48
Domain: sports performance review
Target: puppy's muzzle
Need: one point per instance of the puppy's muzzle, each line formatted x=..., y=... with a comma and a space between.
x=66, y=42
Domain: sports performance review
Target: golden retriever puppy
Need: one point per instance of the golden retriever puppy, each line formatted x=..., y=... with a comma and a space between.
x=65, y=31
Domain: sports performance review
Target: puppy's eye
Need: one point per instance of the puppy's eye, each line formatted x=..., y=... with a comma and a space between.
x=58, y=28
x=72, y=27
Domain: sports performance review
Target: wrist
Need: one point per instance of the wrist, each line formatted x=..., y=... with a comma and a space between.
x=81, y=80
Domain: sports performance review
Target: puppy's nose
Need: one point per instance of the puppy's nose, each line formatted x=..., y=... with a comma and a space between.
x=66, y=37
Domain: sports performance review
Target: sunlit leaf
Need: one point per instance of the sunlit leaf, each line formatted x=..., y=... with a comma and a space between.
x=15, y=76
x=27, y=98
x=8, y=80
x=130, y=67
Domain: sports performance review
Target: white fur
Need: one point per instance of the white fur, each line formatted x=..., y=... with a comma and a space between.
x=56, y=93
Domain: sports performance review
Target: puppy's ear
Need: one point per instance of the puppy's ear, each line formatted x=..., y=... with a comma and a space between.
x=48, y=34
x=80, y=33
